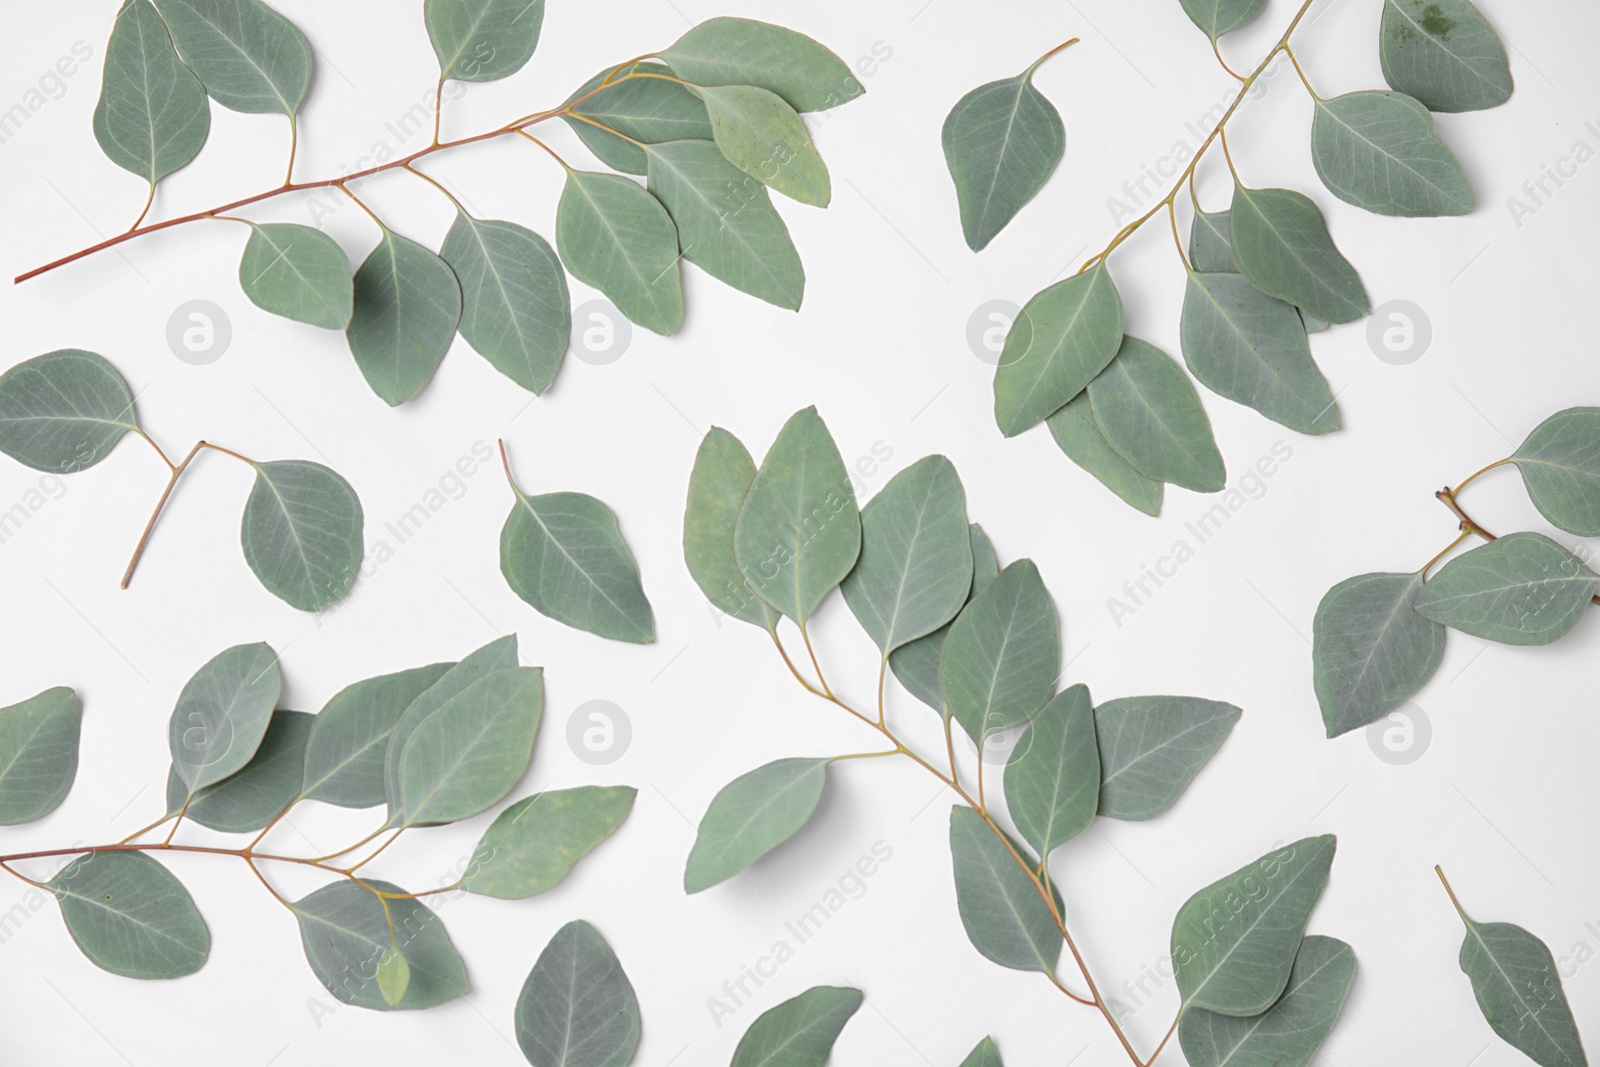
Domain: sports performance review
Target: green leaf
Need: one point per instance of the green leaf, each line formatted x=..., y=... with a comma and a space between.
x=751, y=816
x=1560, y=464
x=269, y=783
x=348, y=932
x=1523, y=589
x=483, y=40
x=534, y=843
x=799, y=533
x=222, y=714
x=984, y=1055
x=152, y=117
x=1290, y=1032
x=249, y=57
x=130, y=916
x=648, y=109
x=394, y=977
x=735, y=51
x=916, y=663
x=1151, y=748
x=723, y=471
x=1252, y=349
x=469, y=753
x=407, y=308
x=1234, y=942
x=63, y=411
x=38, y=754
x=1003, y=655
x=1147, y=410
x=302, y=533
x=726, y=223
x=915, y=570
x=1063, y=337
x=1002, y=141
x=1217, y=17
x=1370, y=650
x=1052, y=781
x=1379, y=151
x=1005, y=917
x=344, y=757
x=1211, y=243
x=299, y=273
x=1444, y=53
x=764, y=137
x=1281, y=243
x=515, y=311
x=799, y=1032
x=618, y=238
x=577, y=1008
x=1076, y=434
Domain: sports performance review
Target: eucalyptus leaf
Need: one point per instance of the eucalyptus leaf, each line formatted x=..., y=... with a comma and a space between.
x=298, y=272
x=152, y=117
x=799, y=1032
x=984, y=1055
x=1560, y=464
x=644, y=109
x=1217, y=17
x=483, y=40
x=222, y=715
x=1076, y=434
x=1370, y=650
x=735, y=51
x=752, y=815
x=1211, y=243
x=1289, y=1033
x=249, y=57
x=723, y=471
x=251, y=799
x=534, y=843
x=1523, y=589
x=618, y=238
x=344, y=757
x=1052, y=780
x=348, y=931
x=394, y=977
x=467, y=755
x=1281, y=243
x=1444, y=53
x=1151, y=748
x=1062, y=338
x=1379, y=151
x=1005, y=917
x=38, y=754
x=1147, y=410
x=64, y=411
x=763, y=136
x=916, y=663
x=1003, y=655
x=130, y=916
x=407, y=308
x=302, y=533
x=577, y=1007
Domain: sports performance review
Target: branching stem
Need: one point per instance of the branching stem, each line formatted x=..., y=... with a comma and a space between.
x=177, y=470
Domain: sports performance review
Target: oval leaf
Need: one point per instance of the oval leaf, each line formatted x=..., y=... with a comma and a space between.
x=618, y=238
x=302, y=533
x=1379, y=151
x=723, y=471
x=152, y=117
x=1052, y=780
x=344, y=757
x=1281, y=243
x=1075, y=433
x=577, y=1008
x=1062, y=338
x=735, y=51
x=800, y=1032
x=633, y=111
x=1444, y=53
x=466, y=756
x=1523, y=589
x=222, y=715
x=407, y=308
x=130, y=916
x=1217, y=17
x=251, y=799
x=1291, y=1031
x=38, y=754
x=1560, y=464
x=1147, y=410
x=1151, y=748
x=249, y=57
x=764, y=137
x=348, y=932
x=534, y=843
x=483, y=40
x=1003, y=656
x=751, y=816
x=299, y=273
x=63, y=411
x=1370, y=650
x=1005, y=917
x=917, y=664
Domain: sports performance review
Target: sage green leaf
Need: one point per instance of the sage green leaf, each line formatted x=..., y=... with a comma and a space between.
x=618, y=238
x=344, y=757
x=799, y=533
x=915, y=571
x=1005, y=917
x=302, y=533
x=249, y=57
x=1147, y=410
x=467, y=755
x=751, y=816
x=1211, y=243
x=152, y=117
x=577, y=1007
x=646, y=108
x=1076, y=434
x=764, y=137
x=38, y=754
x=1234, y=942
x=407, y=308
x=1289, y=1033
x=394, y=977
x=1003, y=655
x=1281, y=243
x=1444, y=53
x=1151, y=748
x=1312, y=323
x=1002, y=141
x=222, y=714
x=130, y=916
x=269, y=783
x=916, y=663
x=1370, y=650
x=799, y=1032
x=534, y=843
x=1063, y=337
x=723, y=471
x=515, y=311
x=483, y=40
x=1560, y=464
x=298, y=272
x=63, y=411
x=1252, y=349
x=735, y=51
x=1052, y=781
x=348, y=931
x=1379, y=151
x=1217, y=17
x=984, y=1055
x=1523, y=589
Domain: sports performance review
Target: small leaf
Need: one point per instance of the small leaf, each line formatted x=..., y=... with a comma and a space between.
x=1003, y=655
x=1523, y=589
x=1211, y=243
x=483, y=40
x=751, y=816
x=618, y=238
x=347, y=932
x=916, y=664
x=467, y=755
x=735, y=51
x=1444, y=53
x=1147, y=410
x=38, y=754
x=1052, y=781
x=648, y=109
x=1005, y=917
x=1370, y=650
x=577, y=1008
x=1076, y=434
x=344, y=756
x=984, y=1055
x=723, y=471
x=1151, y=748
x=407, y=308
x=1379, y=151
x=1560, y=464
x=299, y=273
x=302, y=533
x=222, y=714
x=64, y=411
x=534, y=843
x=152, y=117
x=1063, y=337
x=249, y=57
x=799, y=1032
x=1218, y=17
x=1290, y=1032
x=269, y=783
x=394, y=977
x=1281, y=243
x=764, y=137
x=130, y=916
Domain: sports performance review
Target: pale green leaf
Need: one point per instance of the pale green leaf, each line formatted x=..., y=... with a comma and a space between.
x=764, y=137
x=618, y=238
x=469, y=753
x=1444, y=53
x=407, y=308
x=1005, y=917
x=1281, y=243
x=299, y=273
x=64, y=411
x=1211, y=243
x=130, y=916
x=1151, y=748
x=723, y=471
x=222, y=714
x=577, y=1007
x=302, y=533
x=152, y=117
x=249, y=57
x=344, y=757
x=1560, y=464
x=646, y=108
x=1217, y=17
x=984, y=1055
x=1379, y=151
x=916, y=664
x=799, y=1032
x=347, y=931
x=1523, y=589
x=1003, y=655
x=394, y=977
x=1370, y=650
x=534, y=843
x=1148, y=411
x=1075, y=433
x=38, y=754
x=752, y=815
x=483, y=40
x=735, y=51
x=1289, y=1033
x=1062, y=338
x=1052, y=781
x=269, y=783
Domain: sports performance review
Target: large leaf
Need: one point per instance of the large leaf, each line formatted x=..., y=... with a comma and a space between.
x=642, y=110
x=152, y=117
x=1444, y=53
x=1290, y=1032
x=577, y=1008
x=1280, y=241
x=1075, y=433
x=251, y=799
x=64, y=411
x=1523, y=589
x=799, y=1032
x=723, y=471
x=298, y=272
x=38, y=754
x=1379, y=151
x=1234, y=942
x=1052, y=780
x=1062, y=338
x=752, y=815
x=1005, y=917
x=916, y=664
x=534, y=843
x=483, y=40
x=1151, y=748
x=344, y=757
x=222, y=714
x=1560, y=464
x=1370, y=650
x=302, y=533
x=407, y=308
x=735, y=51
x=983, y=1055
x=249, y=57
x=1217, y=17
x=764, y=137
x=618, y=238
x=466, y=756
x=130, y=916
x=1003, y=655
x=350, y=935
x=1148, y=411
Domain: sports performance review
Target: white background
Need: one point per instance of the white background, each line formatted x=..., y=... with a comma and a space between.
x=1502, y=796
